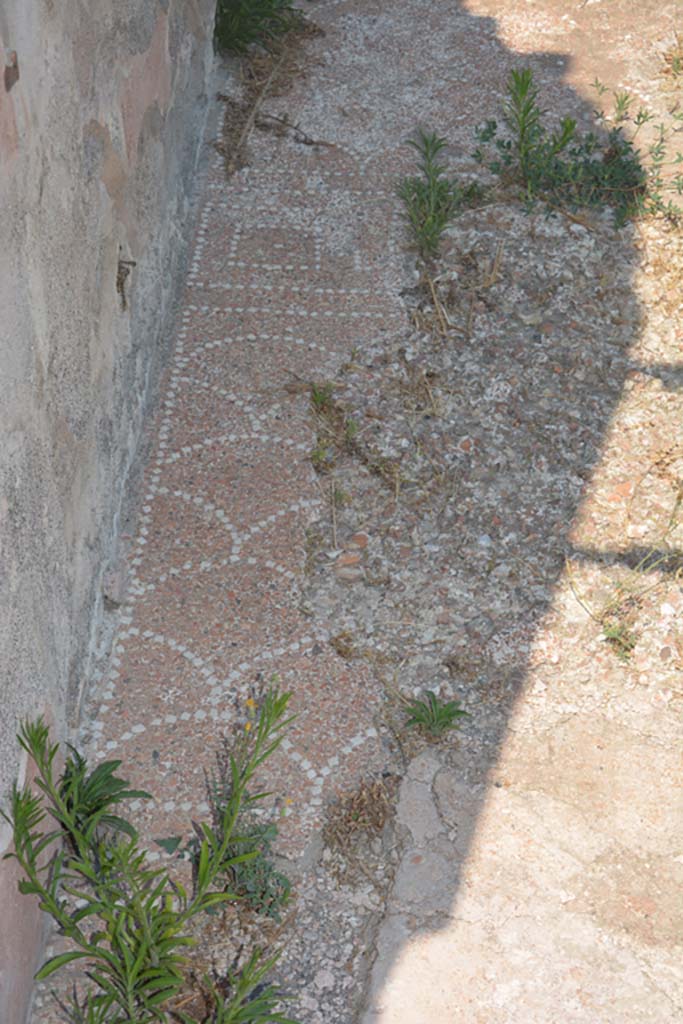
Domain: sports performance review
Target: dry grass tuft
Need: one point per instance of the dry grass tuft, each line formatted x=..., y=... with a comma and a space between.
x=361, y=812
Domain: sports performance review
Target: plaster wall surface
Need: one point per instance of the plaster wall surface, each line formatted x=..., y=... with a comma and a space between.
x=102, y=108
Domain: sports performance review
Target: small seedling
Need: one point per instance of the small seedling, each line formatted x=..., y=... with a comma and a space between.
x=321, y=396
x=351, y=429
x=431, y=198
x=622, y=106
x=337, y=432
x=673, y=60
x=340, y=497
x=433, y=715
x=322, y=458
x=621, y=639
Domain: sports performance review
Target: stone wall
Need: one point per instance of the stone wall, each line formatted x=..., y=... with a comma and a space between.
x=102, y=107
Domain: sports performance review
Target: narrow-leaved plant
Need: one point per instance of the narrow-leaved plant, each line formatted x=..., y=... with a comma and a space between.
x=431, y=198
x=126, y=920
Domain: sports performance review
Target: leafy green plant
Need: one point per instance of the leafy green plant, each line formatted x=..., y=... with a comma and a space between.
x=244, y=996
x=431, y=198
x=242, y=23
x=434, y=715
x=568, y=169
x=81, y=802
x=255, y=880
x=127, y=921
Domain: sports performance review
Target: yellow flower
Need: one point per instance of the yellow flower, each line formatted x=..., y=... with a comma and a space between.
x=288, y=800
x=251, y=703
x=247, y=727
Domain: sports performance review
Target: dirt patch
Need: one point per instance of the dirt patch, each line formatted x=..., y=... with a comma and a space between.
x=268, y=72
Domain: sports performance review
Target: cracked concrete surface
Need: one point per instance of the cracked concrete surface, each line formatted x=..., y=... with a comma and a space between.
x=554, y=912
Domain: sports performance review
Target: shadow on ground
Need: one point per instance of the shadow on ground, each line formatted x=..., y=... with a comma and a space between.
x=517, y=438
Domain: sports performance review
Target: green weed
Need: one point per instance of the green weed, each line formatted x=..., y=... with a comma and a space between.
x=620, y=638
x=340, y=497
x=431, y=198
x=246, y=997
x=568, y=169
x=322, y=457
x=240, y=24
x=255, y=880
x=673, y=59
x=337, y=432
x=433, y=715
x=321, y=396
x=351, y=430
x=127, y=921
x=622, y=107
